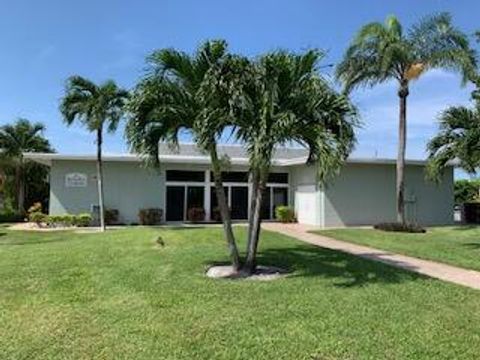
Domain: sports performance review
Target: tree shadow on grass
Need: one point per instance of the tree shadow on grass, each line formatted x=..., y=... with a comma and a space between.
x=466, y=227
x=22, y=242
x=473, y=246
x=348, y=270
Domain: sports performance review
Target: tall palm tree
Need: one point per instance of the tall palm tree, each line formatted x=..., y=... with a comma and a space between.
x=171, y=99
x=458, y=139
x=281, y=99
x=15, y=139
x=384, y=52
x=96, y=107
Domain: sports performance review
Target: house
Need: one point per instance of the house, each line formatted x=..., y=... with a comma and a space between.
x=362, y=194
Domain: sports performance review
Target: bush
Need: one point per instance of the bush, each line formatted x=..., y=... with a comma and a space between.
x=11, y=217
x=67, y=220
x=37, y=217
x=111, y=216
x=151, y=216
x=196, y=214
x=284, y=214
x=399, y=227
x=83, y=220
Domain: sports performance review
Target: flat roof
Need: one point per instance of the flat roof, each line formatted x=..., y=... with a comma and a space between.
x=48, y=158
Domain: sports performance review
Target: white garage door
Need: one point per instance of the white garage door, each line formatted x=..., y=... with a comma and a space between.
x=306, y=204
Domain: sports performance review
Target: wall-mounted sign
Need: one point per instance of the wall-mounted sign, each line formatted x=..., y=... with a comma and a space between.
x=76, y=180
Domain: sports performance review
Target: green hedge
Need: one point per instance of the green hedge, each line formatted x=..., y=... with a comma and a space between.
x=66, y=220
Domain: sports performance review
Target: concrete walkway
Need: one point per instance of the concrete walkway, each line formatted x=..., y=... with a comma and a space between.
x=469, y=278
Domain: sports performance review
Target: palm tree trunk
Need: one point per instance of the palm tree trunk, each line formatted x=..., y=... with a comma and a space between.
x=20, y=187
x=224, y=211
x=402, y=143
x=101, y=204
x=255, y=221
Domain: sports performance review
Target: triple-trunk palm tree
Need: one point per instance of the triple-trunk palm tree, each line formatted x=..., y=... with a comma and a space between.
x=22, y=136
x=97, y=107
x=385, y=52
x=281, y=99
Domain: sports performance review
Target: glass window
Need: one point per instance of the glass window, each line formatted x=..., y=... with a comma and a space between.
x=233, y=176
x=279, y=178
x=180, y=175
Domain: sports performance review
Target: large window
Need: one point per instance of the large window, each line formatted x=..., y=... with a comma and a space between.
x=180, y=175
x=279, y=178
x=233, y=176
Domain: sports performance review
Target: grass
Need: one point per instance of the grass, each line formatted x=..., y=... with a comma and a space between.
x=119, y=295
x=455, y=245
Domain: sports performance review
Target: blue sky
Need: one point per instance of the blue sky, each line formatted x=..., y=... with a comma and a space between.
x=44, y=42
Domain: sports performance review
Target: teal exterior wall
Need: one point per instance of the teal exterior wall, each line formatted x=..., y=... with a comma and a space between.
x=128, y=187
x=364, y=194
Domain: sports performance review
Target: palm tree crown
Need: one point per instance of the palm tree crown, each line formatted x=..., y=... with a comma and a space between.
x=92, y=104
x=458, y=139
x=15, y=139
x=22, y=136
x=382, y=52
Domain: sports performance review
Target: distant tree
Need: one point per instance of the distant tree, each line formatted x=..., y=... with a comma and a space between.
x=97, y=107
x=458, y=139
x=466, y=191
x=385, y=52
x=15, y=139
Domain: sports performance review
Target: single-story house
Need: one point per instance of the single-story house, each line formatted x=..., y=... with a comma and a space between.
x=362, y=194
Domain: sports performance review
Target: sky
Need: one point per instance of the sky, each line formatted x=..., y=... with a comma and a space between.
x=45, y=42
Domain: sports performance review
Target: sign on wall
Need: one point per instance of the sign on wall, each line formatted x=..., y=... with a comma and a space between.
x=76, y=180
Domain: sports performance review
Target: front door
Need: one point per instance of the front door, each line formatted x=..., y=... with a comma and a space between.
x=175, y=203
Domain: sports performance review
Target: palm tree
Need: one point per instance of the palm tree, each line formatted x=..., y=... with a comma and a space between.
x=384, y=52
x=458, y=139
x=281, y=99
x=170, y=99
x=16, y=139
x=97, y=107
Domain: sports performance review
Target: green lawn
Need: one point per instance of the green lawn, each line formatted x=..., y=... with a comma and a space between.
x=120, y=296
x=457, y=245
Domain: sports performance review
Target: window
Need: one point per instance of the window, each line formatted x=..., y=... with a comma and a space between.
x=180, y=175
x=233, y=176
x=279, y=178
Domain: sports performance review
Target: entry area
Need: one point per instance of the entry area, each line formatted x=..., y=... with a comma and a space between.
x=187, y=190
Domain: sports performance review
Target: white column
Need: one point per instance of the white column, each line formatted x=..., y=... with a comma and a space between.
x=207, y=196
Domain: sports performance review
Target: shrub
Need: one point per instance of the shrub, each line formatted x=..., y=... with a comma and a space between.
x=37, y=217
x=83, y=220
x=284, y=214
x=151, y=216
x=196, y=214
x=111, y=216
x=399, y=227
